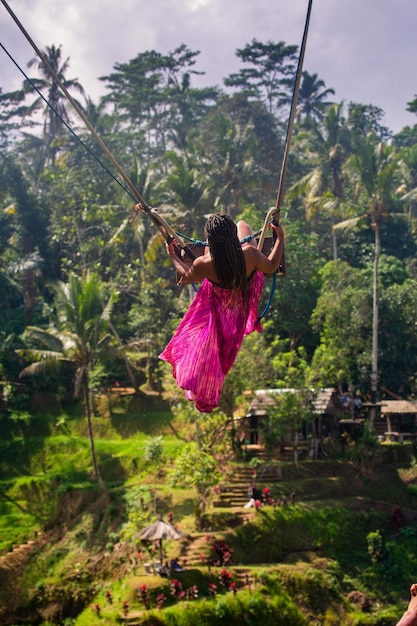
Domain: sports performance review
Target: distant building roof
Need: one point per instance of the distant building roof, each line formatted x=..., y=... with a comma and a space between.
x=324, y=401
x=390, y=407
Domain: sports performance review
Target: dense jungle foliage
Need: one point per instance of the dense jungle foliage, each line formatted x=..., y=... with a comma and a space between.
x=349, y=205
x=89, y=299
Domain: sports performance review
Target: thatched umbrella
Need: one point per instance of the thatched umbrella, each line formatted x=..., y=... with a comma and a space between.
x=158, y=531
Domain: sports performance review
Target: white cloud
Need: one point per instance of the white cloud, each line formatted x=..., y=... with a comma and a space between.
x=194, y=5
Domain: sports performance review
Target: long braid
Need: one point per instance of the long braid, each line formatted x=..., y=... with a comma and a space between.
x=226, y=252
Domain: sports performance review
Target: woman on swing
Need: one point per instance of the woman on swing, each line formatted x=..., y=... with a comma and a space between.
x=225, y=309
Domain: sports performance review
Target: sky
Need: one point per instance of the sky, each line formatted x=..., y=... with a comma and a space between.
x=366, y=50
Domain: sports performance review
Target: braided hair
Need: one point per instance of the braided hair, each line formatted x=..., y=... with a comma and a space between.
x=226, y=252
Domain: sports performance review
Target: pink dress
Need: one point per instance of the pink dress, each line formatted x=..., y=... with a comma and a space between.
x=207, y=340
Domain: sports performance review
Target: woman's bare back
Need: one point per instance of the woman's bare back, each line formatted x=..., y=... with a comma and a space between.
x=203, y=267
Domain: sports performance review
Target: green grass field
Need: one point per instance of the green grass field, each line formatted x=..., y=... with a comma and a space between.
x=347, y=536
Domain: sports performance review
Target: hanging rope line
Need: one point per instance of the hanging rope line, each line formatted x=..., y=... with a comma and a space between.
x=197, y=242
x=103, y=165
x=274, y=212
x=270, y=299
x=161, y=224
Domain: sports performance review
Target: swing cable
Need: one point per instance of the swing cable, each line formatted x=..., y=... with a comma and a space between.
x=274, y=212
x=158, y=220
x=64, y=122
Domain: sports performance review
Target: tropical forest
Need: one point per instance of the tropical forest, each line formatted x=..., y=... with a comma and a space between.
x=120, y=502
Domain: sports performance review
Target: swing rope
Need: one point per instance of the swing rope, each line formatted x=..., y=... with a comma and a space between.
x=161, y=224
x=103, y=165
x=274, y=212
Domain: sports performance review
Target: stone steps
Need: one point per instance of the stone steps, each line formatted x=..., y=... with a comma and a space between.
x=19, y=554
x=192, y=549
x=234, y=491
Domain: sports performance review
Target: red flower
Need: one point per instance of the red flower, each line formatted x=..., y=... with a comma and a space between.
x=212, y=589
x=176, y=589
x=225, y=579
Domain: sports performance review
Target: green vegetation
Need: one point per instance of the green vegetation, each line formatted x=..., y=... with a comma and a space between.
x=96, y=440
x=346, y=547
x=351, y=236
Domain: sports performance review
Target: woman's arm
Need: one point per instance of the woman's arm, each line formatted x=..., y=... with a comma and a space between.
x=410, y=616
x=193, y=274
x=268, y=264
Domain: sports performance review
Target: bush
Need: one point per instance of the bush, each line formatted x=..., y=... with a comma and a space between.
x=154, y=451
x=245, y=609
x=376, y=548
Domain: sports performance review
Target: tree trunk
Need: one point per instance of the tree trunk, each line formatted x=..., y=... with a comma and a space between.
x=29, y=292
x=375, y=315
x=89, y=417
x=295, y=448
x=129, y=370
x=197, y=433
x=315, y=439
x=334, y=239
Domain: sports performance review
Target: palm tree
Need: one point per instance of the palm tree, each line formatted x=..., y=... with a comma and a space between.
x=79, y=335
x=325, y=145
x=231, y=148
x=28, y=248
x=184, y=190
x=144, y=176
x=57, y=111
x=375, y=171
x=312, y=96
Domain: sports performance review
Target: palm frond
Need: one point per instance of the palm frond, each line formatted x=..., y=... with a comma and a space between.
x=44, y=363
x=121, y=228
x=108, y=308
x=350, y=224
x=410, y=195
x=48, y=338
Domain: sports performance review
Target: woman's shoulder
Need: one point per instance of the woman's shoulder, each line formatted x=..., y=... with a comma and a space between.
x=204, y=267
x=251, y=260
x=251, y=254
x=256, y=259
